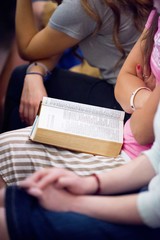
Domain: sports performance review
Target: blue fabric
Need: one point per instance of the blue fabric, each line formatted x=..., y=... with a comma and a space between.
x=69, y=59
x=27, y=220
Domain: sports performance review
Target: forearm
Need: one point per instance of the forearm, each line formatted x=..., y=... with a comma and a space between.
x=121, y=209
x=142, y=119
x=123, y=91
x=128, y=177
x=128, y=80
x=50, y=64
x=25, y=23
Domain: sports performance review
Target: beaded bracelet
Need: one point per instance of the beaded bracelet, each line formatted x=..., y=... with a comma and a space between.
x=98, y=190
x=134, y=94
x=47, y=72
x=37, y=64
x=36, y=73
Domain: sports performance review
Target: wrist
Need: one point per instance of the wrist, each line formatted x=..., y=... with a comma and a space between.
x=139, y=97
x=97, y=184
x=39, y=69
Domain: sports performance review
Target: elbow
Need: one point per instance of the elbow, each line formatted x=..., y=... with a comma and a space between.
x=139, y=139
x=25, y=55
x=142, y=137
x=119, y=96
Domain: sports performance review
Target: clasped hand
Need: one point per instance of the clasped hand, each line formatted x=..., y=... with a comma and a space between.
x=57, y=189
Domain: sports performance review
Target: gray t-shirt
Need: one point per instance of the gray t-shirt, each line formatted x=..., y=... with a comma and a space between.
x=149, y=201
x=99, y=49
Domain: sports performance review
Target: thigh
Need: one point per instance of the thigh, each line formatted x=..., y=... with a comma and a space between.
x=20, y=157
x=12, y=119
x=30, y=221
x=67, y=85
x=3, y=226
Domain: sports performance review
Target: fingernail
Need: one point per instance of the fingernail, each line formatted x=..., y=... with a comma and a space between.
x=138, y=66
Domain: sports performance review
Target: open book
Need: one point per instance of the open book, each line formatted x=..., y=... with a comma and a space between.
x=79, y=127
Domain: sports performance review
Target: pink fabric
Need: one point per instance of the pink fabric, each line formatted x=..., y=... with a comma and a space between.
x=150, y=19
x=157, y=5
x=130, y=145
x=155, y=56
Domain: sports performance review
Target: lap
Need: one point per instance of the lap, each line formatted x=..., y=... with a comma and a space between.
x=62, y=84
x=20, y=157
x=35, y=222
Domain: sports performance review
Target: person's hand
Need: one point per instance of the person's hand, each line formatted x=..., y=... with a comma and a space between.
x=55, y=199
x=146, y=76
x=150, y=81
x=60, y=179
x=32, y=94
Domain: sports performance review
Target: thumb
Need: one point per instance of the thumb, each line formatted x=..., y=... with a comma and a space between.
x=65, y=182
x=70, y=185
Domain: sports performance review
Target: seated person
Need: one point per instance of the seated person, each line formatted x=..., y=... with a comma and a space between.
x=57, y=204
x=104, y=45
x=20, y=157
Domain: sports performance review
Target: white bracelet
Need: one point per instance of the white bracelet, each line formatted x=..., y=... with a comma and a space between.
x=47, y=72
x=37, y=64
x=134, y=94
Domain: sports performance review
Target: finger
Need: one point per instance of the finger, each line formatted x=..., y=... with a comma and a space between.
x=51, y=178
x=48, y=179
x=33, y=179
x=35, y=192
x=26, y=113
x=139, y=71
x=146, y=71
x=21, y=112
x=64, y=182
x=31, y=115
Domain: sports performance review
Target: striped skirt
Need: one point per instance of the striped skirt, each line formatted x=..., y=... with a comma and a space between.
x=20, y=157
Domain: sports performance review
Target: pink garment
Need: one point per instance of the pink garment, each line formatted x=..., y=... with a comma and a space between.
x=157, y=5
x=155, y=56
x=130, y=145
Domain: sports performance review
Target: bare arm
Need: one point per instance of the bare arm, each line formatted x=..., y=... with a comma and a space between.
x=35, y=45
x=128, y=82
x=142, y=119
x=119, y=209
x=119, y=180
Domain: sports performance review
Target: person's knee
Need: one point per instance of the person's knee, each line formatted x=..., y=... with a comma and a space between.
x=2, y=183
x=3, y=225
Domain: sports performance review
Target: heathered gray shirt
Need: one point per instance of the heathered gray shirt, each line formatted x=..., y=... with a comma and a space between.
x=149, y=201
x=99, y=49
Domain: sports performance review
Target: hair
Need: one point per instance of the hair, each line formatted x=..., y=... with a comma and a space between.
x=149, y=38
x=139, y=8
x=58, y=1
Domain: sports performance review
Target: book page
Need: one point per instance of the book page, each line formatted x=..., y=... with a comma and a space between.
x=82, y=119
x=85, y=108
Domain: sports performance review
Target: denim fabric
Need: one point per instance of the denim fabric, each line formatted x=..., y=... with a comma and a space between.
x=27, y=220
